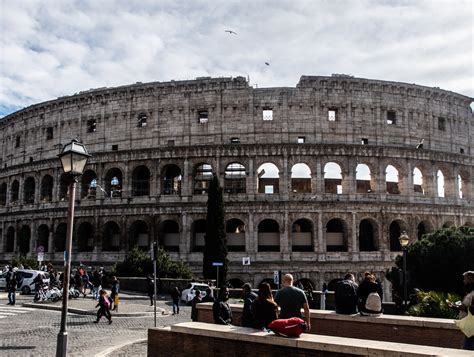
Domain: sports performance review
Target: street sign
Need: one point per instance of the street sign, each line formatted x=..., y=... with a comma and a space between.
x=40, y=249
x=276, y=277
x=40, y=256
x=217, y=264
x=246, y=261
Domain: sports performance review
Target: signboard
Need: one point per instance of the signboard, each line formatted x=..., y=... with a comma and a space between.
x=40, y=249
x=217, y=264
x=276, y=277
x=246, y=261
x=40, y=256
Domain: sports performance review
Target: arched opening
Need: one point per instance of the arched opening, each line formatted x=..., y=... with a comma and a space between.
x=169, y=235
x=418, y=181
x=141, y=181
x=139, y=235
x=198, y=230
x=440, y=182
x=15, y=192
x=43, y=237
x=336, y=236
x=300, y=178
x=268, y=236
x=29, y=191
x=63, y=187
x=268, y=179
x=85, y=237
x=367, y=241
x=363, y=179
x=234, y=178
x=332, y=178
x=235, y=283
x=235, y=234
x=10, y=241
x=46, y=191
x=396, y=227
x=89, y=185
x=111, y=237
x=202, y=179
x=304, y=284
x=424, y=227
x=270, y=282
x=113, y=182
x=3, y=194
x=302, y=236
x=60, y=237
x=460, y=187
x=171, y=180
x=391, y=180
x=24, y=237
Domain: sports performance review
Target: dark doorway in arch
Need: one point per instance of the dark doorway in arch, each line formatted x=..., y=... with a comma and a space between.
x=395, y=231
x=10, y=243
x=89, y=185
x=235, y=234
x=424, y=227
x=60, y=237
x=3, y=194
x=15, y=192
x=141, y=181
x=235, y=283
x=202, y=179
x=268, y=236
x=169, y=235
x=63, y=187
x=302, y=236
x=113, y=182
x=85, y=237
x=235, y=178
x=333, y=283
x=171, y=180
x=43, y=237
x=24, y=237
x=111, y=237
x=270, y=282
x=46, y=191
x=366, y=236
x=139, y=235
x=198, y=231
x=336, y=236
x=29, y=191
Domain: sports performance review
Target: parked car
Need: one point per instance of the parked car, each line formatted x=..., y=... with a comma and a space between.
x=27, y=278
x=3, y=280
x=189, y=291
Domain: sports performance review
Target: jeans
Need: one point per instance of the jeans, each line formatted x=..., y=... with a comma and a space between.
x=11, y=298
x=175, y=306
x=468, y=343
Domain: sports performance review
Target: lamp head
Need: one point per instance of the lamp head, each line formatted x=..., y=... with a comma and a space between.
x=404, y=240
x=74, y=157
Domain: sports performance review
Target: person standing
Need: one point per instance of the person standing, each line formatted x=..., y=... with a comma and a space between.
x=467, y=303
x=264, y=308
x=291, y=300
x=221, y=309
x=196, y=300
x=150, y=287
x=175, y=296
x=249, y=297
x=346, y=295
x=104, y=307
x=11, y=286
x=114, y=291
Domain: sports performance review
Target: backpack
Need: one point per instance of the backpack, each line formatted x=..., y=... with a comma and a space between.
x=346, y=294
x=373, y=303
x=107, y=302
x=292, y=327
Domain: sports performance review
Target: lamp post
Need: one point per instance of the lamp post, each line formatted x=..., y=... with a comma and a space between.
x=73, y=160
x=404, y=241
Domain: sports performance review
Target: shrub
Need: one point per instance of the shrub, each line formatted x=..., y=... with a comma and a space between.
x=433, y=304
x=27, y=262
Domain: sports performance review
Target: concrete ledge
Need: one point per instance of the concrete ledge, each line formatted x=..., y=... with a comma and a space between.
x=195, y=338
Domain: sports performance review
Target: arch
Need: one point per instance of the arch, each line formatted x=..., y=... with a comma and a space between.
x=141, y=181
x=235, y=234
x=3, y=194
x=85, y=237
x=169, y=235
x=43, y=237
x=363, y=179
x=424, y=227
x=302, y=235
x=114, y=182
x=63, y=187
x=332, y=178
x=24, y=237
x=235, y=283
x=460, y=192
x=111, y=237
x=300, y=178
x=440, y=183
x=418, y=181
x=89, y=185
x=367, y=236
x=392, y=180
x=395, y=229
x=268, y=236
x=198, y=230
x=10, y=240
x=60, y=237
x=336, y=235
x=202, y=178
x=270, y=282
x=235, y=178
x=268, y=178
x=15, y=193
x=304, y=284
x=171, y=180
x=448, y=224
x=46, y=190
x=139, y=235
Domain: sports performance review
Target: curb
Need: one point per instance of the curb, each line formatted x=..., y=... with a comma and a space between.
x=110, y=350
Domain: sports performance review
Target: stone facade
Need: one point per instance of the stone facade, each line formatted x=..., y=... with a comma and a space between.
x=155, y=146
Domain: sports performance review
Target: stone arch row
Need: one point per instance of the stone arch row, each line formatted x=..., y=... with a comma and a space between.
x=111, y=236
x=235, y=174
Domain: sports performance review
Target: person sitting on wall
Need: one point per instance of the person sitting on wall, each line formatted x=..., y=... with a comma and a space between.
x=221, y=309
x=370, y=296
x=196, y=300
x=209, y=296
x=249, y=297
x=346, y=296
x=264, y=308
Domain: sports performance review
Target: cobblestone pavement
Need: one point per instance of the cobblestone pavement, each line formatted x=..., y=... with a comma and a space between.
x=33, y=332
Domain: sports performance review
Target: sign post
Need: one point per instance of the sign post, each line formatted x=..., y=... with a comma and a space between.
x=276, y=278
x=154, y=254
x=217, y=265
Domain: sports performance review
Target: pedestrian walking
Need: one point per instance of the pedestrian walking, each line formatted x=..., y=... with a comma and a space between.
x=96, y=287
x=196, y=300
x=466, y=304
x=114, y=292
x=11, y=286
x=175, y=295
x=150, y=287
x=104, y=306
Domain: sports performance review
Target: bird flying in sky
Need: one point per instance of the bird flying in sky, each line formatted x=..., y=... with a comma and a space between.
x=231, y=32
x=267, y=63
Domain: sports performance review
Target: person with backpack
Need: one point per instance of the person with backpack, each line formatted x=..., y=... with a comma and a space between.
x=104, y=306
x=346, y=296
x=370, y=296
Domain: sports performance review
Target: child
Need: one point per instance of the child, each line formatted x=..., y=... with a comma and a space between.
x=104, y=306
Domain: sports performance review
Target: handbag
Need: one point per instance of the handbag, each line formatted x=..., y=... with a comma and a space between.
x=466, y=325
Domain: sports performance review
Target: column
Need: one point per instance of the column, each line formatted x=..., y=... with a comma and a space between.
x=251, y=235
x=284, y=240
x=319, y=176
x=321, y=242
x=250, y=183
x=285, y=178
x=354, y=234
x=409, y=188
x=187, y=182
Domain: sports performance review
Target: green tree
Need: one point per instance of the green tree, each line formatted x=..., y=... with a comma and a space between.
x=215, y=242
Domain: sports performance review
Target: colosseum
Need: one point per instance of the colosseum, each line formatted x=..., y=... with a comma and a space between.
x=318, y=180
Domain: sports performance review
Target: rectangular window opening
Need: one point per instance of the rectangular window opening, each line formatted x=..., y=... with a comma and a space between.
x=142, y=119
x=461, y=150
x=114, y=147
x=391, y=117
x=170, y=142
x=301, y=139
x=332, y=115
x=203, y=116
x=269, y=189
x=49, y=133
x=442, y=124
x=267, y=114
x=17, y=142
x=91, y=126
x=365, y=141
x=339, y=189
x=234, y=140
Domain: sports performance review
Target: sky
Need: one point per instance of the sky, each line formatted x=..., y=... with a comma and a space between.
x=54, y=48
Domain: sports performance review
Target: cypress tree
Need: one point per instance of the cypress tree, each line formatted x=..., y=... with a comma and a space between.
x=215, y=243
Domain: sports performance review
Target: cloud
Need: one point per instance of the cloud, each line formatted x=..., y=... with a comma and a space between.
x=65, y=47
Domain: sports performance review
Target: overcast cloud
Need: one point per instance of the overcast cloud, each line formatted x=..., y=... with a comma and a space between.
x=54, y=48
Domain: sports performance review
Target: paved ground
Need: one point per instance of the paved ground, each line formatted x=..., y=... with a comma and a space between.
x=28, y=329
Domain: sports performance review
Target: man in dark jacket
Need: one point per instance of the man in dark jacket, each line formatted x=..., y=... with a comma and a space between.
x=11, y=287
x=221, y=309
x=346, y=296
x=249, y=297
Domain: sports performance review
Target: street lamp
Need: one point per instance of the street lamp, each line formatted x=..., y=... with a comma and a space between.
x=404, y=241
x=73, y=160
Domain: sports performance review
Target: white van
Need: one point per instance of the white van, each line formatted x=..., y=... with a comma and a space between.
x=27, y=277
